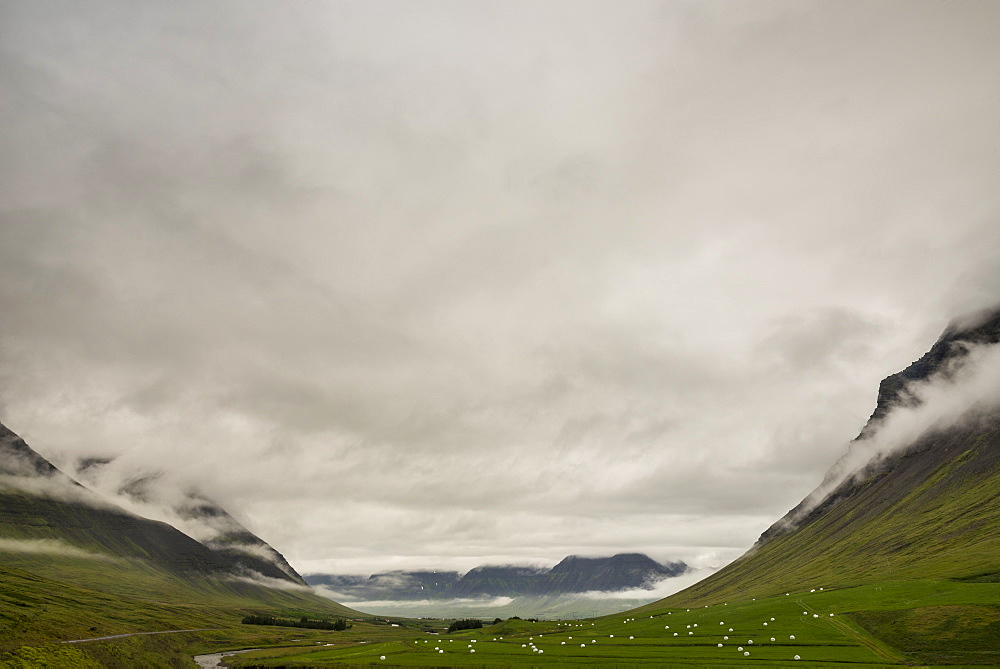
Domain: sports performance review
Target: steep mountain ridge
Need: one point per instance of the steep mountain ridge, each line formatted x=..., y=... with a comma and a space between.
x=193, y=513
x=48, y=520
x=393, y=585
x=236, y=543
x=950, y=349
x=500, y=581
x=17, y=459
x=930, y=509
x=942, y=361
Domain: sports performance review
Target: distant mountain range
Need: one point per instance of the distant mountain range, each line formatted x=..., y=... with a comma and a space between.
x=627, y=571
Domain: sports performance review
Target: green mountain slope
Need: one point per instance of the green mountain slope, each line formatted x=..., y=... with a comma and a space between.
x=929, y=510
x=934, y=513
x=196, y=514
x=44, y=515
x=37, y=613
x=76, y=566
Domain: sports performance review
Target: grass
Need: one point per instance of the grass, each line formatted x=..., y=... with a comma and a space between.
x=890, y=623
x=930, y=621
x=908, y=525
x=908, y=564
x=36, y=611
x=852, y=636
x=79, y=571
x=954, y=634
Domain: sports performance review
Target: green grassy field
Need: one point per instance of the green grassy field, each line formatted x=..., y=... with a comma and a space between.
x=919, y=622
x=871, y=626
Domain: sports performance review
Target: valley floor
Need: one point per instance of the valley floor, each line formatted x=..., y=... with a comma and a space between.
x=941, y=623
x=917, y=623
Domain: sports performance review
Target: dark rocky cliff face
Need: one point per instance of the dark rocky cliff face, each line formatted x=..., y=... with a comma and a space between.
x=947, y=352
x=238, y=544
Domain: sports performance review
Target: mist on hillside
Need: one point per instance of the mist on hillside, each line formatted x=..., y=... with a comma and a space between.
x=966, y=391
x=55, y=547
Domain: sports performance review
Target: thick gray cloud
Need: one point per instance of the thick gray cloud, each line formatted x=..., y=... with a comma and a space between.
x=436, y=284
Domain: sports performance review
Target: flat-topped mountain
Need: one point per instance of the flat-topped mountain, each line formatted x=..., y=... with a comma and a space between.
x=625, y=571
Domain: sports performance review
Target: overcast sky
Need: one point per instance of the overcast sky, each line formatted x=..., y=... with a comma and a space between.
x=437, y=284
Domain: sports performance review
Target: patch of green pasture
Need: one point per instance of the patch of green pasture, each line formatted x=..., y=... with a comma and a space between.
x=50, y=655
x=35, y=610
x=901, y=595
x=968, y=634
